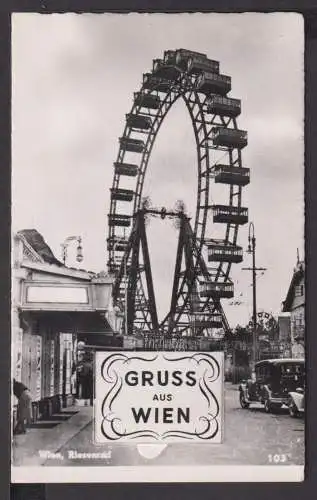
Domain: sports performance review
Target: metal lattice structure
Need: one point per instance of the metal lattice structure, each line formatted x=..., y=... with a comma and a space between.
x=197, y=288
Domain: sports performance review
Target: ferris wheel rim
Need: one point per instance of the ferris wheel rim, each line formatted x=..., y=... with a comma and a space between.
x=223, y=269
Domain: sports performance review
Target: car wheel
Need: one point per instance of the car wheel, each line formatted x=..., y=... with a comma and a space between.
x=243, y=403
x=267, y=406
x=275, y=407
x=292, y=408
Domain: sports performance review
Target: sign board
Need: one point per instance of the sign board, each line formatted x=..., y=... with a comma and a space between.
x=61, y=362
x=69, y=356
x=151, y=397
x=38, y=367
x=17, y=349
x=29, y=362
x=66, y=348
x=52, y=367
x=73, y=365
x=57, y=294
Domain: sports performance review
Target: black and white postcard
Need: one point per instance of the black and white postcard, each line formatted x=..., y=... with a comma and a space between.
x=158, y=267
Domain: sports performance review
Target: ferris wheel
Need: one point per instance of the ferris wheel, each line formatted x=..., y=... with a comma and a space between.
x=203, y=262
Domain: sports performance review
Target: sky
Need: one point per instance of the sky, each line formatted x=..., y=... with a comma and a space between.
x=73, y=78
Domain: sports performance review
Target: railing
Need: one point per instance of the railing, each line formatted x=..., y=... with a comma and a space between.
x=152, y=81
x=224, y=251
x=229, y=210
x=128, y=169
x=161, y=343
x=226, y=101
x=228, y=169
x=214, y=77
x=214, y=286
x=229, y=132
x=119, y=220
x=185, y=54
x=128, y=141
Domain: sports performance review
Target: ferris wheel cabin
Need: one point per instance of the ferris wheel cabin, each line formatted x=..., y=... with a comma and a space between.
x=229, y=214
x=118, y=244
x=128, y=169
x=229, y=137
x=139, y=122
x=147, y=100
x=165, y=71
x=213, y=83
x=197, y=64
x=122, y=194
x=180, y=57
x=119, y=220
x=207, y=320
x=224, y=106
x=154, y=83
x=216, y=290
x=225, y=174
x=133, y=145
x=114, y=265
x=219, y=251
x=169, y=57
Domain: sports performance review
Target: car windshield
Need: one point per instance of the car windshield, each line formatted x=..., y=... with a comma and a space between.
x=291, y=369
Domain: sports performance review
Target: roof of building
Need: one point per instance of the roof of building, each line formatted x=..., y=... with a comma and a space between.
x=44, y=255
x=37, y=242
x=299, y=273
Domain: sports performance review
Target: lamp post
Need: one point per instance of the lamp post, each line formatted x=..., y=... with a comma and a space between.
x=254, y=269
x=251, y=249
x=66, y=243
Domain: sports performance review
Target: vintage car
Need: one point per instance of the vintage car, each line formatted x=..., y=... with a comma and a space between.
x=296, y=402
x=272, y=382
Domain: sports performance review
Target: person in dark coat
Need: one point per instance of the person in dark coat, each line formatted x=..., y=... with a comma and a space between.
x=87, y=379
x=24, y=410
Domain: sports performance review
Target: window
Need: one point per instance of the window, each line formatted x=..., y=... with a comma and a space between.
x=288, y=369
x=262, y=372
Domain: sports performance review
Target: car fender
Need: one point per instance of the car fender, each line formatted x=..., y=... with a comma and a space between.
x=292, y=399
x=243, y=386
x=297, y=399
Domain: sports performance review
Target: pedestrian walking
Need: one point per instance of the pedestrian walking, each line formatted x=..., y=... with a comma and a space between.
x=24, y=410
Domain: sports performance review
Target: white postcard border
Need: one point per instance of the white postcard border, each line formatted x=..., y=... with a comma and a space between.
x=149, y=474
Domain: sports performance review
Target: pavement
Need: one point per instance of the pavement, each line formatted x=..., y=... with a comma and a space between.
x=251, y=437
x=33, y=447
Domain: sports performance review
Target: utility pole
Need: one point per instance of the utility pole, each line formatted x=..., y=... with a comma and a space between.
x=254, y=269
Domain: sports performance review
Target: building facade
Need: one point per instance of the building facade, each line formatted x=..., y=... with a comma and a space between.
x=294, y=304
x=53, y=308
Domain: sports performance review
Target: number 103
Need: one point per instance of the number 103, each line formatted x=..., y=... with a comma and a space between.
x=279, y=458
